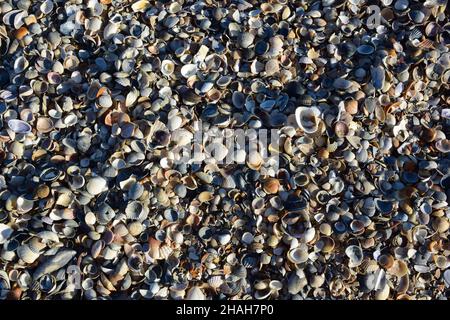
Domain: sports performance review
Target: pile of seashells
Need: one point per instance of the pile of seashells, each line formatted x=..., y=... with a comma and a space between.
x=95, y=94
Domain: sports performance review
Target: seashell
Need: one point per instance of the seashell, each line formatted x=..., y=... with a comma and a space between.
x=401, y=5
x=399, y=268
x=263, y=294
x=97, y=248
x=47, y=283
x=71, y=63
x=326, y=244
x=307, y=119
x=26, y=254
x=271, y=186
x=54, y=78
x=386, y=261
x=246, y=39
x=443, y=145
x=446, y=277
x=297, y=256
x=189, y=70
x=224, y=237
x=247, y=238
x=384, y=206
x=44, y=125
x=403, y=284
x=20, y=64
x=317, y=281
x=5, y=232
x=46, y=7
x=342, y=84
x=440, y=224
x=105, y=101
x=272, y=67
x=50, y=174
x=238, y=99
x=378, y=77
x=215, y=282
x=96, y=185
x=355, y=255
x=165, y=251
x=167, y=67
x=341, y=129
x=275, y=46
x=19, y=126
x=205, y=196
x=365, y=49
x=296, y=284
x=195, y=293
x=140, y=5
x=111, y=30
x=382, y=293
x=174, y=123
x=24, y=205
x=254, y=160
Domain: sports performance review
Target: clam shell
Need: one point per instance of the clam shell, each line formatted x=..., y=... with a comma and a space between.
x=307, y=119
x=189, y=70
x=96, y=185
x=19, y=126
x=297, y=256
x=26, y=254
x=246, y=39
x=167, y=67
x=355, y=255
x=44, y=125
x=140, y=5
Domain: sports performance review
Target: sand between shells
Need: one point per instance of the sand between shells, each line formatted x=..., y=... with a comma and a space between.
x=96, y=94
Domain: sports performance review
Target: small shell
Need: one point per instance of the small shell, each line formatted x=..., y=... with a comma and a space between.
x=443, y=145
x=386, y=261
x=271, y=186
x=297, y=255
x=26, y=254
x=167, y=67
x=5, y=232
x=96, y=185
x=399, y=268
x=215, y=282
x=19, y=126
x=195, y=293
x=355, y=254
x=44, y=125
x=140, y=5
x=246, y=39
x=307, y=119
x=189, y=70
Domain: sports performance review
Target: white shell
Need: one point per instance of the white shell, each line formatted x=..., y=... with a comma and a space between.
x=195, y=293
x=307, y=118
x=189, y=70
x=167, y=67
x=297, y=255
x=96, y=185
